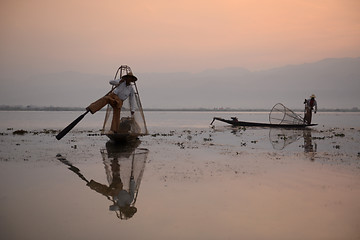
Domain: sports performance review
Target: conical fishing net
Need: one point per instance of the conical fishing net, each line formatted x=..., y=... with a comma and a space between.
x=129, y=124
x=280, y=114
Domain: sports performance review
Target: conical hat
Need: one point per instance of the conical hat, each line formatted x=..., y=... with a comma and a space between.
x=130, y=77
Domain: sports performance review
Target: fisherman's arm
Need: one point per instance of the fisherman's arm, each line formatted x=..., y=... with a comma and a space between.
x=116, y=82
x=132, y=102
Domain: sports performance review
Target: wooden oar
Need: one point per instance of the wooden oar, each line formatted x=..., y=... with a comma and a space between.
x=76, y=121
x=70, y=126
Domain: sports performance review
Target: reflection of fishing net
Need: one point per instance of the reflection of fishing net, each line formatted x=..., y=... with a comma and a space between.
x=126, y=164
x=280, y=114
x=280, y=137
x=129, y=124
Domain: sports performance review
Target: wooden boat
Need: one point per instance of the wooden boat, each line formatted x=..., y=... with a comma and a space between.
x=235, y=122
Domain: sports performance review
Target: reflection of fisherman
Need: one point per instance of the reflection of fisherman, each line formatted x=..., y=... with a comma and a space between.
x=308, y=144
x=121, y=190
x=310, y=105
x=116, y=98
x=122, y=198
x=309, y=147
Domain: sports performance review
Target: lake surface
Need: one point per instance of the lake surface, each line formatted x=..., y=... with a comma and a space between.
x=185, y=180
x=30, y=120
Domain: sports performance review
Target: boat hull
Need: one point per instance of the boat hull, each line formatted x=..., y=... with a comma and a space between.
x=122, y=138
x=257, y=124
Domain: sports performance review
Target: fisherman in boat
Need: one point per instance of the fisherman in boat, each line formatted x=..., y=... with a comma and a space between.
x=310, y=105
x=123, y=90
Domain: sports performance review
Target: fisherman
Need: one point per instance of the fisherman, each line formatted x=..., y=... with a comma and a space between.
x=310, y=105
x=123, y=90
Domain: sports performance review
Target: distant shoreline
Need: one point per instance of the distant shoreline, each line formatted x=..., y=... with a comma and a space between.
x=51, y=108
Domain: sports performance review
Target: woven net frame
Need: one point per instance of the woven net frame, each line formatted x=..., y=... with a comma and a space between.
x=138, y=127
x=280, y=114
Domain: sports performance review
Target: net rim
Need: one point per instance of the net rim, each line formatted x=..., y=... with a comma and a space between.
x=283, y=106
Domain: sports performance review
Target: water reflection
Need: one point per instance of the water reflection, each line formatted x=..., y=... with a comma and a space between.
x=309, y=146
x=124, y=168
x=280, y=138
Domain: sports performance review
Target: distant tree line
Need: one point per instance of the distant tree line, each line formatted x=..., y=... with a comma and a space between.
x=37, y=108
x=52, y=108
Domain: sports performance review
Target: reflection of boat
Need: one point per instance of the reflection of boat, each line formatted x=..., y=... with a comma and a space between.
x=236, y=122
x=131, y=126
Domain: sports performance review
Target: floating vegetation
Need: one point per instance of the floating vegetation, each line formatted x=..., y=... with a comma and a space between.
x=339, y=135
x=181, y=145
x=163, y=134
x=319, y=138
x=20, y=132
x=187, y=131
x=94, y=134
x=44, y=131
x=48, y=131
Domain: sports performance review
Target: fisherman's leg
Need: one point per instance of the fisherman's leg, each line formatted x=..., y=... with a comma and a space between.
x=305, y=115
x=116, y=116
x=99, y=104
x=308, y=116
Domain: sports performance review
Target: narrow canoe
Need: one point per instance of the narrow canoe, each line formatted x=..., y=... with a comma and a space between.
x=235, y=122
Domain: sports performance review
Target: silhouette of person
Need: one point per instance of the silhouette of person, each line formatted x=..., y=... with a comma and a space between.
x=123, y=90
x=310, y=105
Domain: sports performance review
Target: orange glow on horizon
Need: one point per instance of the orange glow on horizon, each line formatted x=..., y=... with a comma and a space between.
x=170, y=36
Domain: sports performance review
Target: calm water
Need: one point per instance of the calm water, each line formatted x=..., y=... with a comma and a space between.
x=185, y=180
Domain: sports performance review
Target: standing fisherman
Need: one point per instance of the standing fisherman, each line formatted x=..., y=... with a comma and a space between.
x=310, y=104
x=116, y=98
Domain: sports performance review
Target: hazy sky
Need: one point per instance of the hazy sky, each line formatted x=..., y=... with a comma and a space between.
x=91, y=36
x=164, y=35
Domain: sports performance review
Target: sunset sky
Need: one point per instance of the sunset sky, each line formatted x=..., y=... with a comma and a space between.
x=89, y=36
x=165, y=35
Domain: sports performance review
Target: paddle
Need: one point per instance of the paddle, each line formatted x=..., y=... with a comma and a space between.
x=70, y=126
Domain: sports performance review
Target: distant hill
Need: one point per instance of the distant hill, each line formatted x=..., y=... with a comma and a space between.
x=336, y=83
